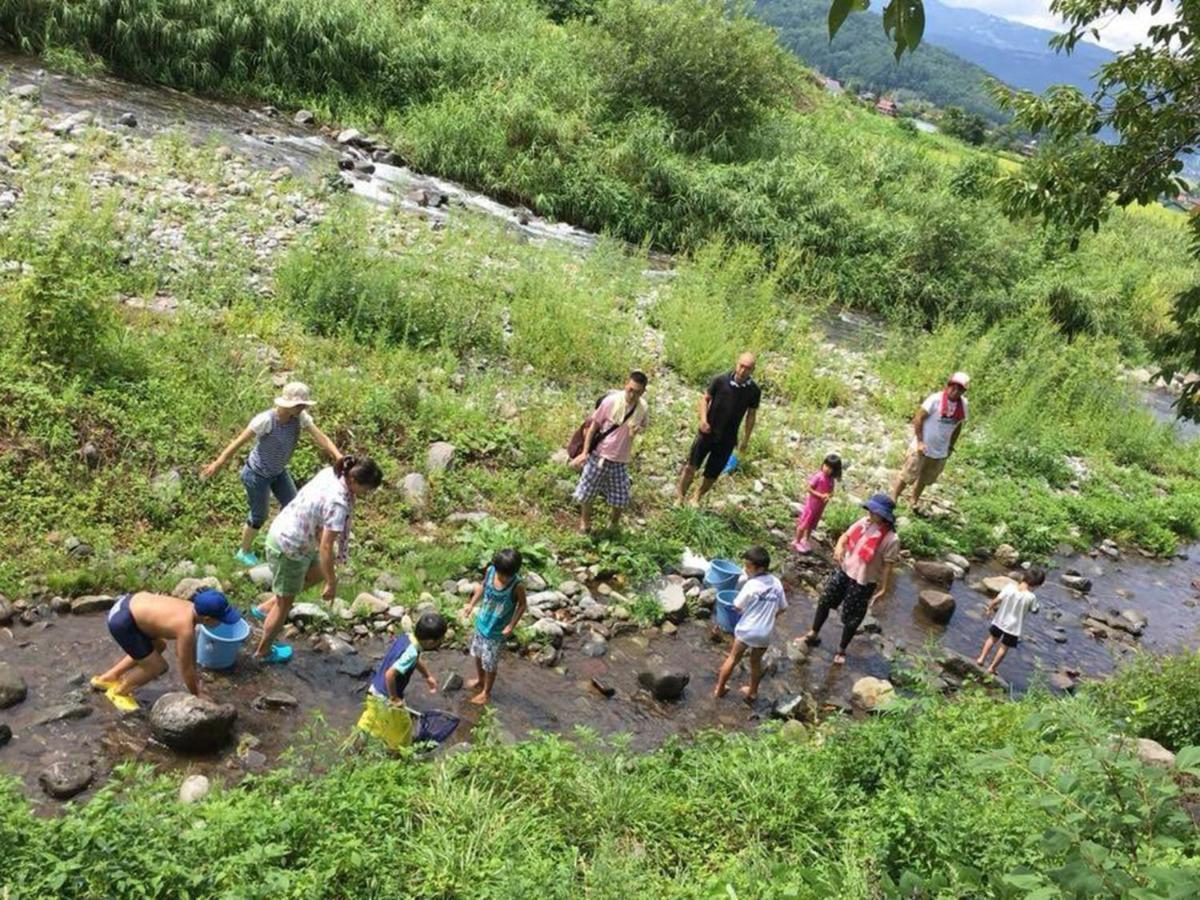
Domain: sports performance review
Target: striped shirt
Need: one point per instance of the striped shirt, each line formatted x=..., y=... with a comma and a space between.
x=276, y=442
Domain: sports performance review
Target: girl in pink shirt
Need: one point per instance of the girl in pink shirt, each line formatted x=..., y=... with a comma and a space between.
x=820, y=489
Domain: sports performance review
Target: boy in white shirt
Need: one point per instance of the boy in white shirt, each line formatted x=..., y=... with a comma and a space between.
x=1013, y=602
x=760, y=599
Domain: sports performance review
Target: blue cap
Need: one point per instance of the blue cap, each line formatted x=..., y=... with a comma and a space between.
x=212, y=603
x=883, y=506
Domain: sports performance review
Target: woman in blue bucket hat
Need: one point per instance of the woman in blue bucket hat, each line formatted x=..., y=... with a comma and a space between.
x=866, y=554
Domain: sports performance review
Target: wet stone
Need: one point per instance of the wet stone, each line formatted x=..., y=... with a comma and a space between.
x=275, y=700
x=194, y=789
x=65, y=712
x=355, y=666
x=191, y=724
x=91, y=603
x=5, y=734
x=664, y=684
x=453, y=682
x=603, y=687
x=63, y=780
x=12, y=686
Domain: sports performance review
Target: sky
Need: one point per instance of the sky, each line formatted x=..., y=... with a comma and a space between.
x=1120, y=33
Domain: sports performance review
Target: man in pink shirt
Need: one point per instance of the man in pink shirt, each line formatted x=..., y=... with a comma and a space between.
x=607, y=446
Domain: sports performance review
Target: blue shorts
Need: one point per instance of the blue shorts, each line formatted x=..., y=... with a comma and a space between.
x=125, y=631
x=259, y=489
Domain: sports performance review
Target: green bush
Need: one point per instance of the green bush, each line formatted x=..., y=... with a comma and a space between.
x=1155, y=697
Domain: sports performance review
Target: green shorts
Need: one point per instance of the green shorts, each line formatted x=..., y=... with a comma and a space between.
x=287, y=574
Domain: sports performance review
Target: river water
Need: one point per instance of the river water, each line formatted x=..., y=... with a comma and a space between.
x=54, y=654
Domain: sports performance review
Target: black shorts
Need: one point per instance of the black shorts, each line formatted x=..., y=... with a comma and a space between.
x=1008, y=640
x=717, y=450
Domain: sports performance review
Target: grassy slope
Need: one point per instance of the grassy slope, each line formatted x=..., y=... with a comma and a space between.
x=937, y=798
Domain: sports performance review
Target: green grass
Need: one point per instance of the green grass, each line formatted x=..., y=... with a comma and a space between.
x=936, y=798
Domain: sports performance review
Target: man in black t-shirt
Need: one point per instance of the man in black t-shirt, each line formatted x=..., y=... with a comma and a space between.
x=731, y=397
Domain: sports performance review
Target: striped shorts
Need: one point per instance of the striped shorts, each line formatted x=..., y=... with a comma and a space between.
x=605, y=477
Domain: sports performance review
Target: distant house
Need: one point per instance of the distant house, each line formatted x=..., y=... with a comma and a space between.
x=885, y=107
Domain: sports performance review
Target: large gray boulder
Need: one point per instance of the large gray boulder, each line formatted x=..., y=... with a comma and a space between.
x=416, y=490
x=938, y=605
x=664, y=684
x=438, y=457
x=935, y=572
x=672, y=601
x=191, y=724
x=187, y=588
x=91, y=603
x=12, y=686
x=873, y=693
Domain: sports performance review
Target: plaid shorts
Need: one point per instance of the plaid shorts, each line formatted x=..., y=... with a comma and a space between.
x=487, y=650
x=603, y=476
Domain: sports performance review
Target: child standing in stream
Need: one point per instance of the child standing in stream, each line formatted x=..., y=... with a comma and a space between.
x=760, y=599
x=276, y=433
x=1013, y=601
x=820, y=489
x=501, y=601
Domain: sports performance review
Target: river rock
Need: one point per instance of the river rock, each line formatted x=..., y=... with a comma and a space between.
x=935, y=572
x=548, y=630
x=1136, y=622
x=602, y=687
x=127, y=120
x=793, y=706
x=194, y=789
x=547, y=656
x=91, y=603
x=1076, y=582
x=453, y=682
x=355, y=666
x=1152, y=753
x=664, y=684
x=6, y=612
x=304, y=117
x=64, y=712
x=938, y=605
x=956, y=559
x=275, y=700
x=415, y=489
x=191, y=724
x=60, y=605
x=26, y=92
x=5, y=733
x=873, y=693
x=260, y=575
x=439, y=456
x=308, y=614
x=12, y=686
x=368, y=605
x=1007, y=555
x=672, y=601
x=534, y=582
x=994, y=584
x=594, y=648
x=870, y=625
x=72, y=123
x=349, y=136
x=63, y=780
x=189, y=587
x=547, y=600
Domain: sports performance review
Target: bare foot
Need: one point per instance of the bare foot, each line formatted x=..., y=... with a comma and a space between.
x=839, y=659
x=720, y=691
x=991, y=670
x=812, y=640
x=480, y=699
x=474, y=684
x=747, y=696
x=979, y=662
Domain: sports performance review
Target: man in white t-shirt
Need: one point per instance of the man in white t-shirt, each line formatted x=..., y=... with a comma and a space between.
x=936, y=428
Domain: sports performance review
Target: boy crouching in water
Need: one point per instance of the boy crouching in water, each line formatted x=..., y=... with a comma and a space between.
x=384, y=715
x=142, y=623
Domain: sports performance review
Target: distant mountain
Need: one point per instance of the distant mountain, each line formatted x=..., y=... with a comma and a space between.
x=861, y=57
x=1017, y=54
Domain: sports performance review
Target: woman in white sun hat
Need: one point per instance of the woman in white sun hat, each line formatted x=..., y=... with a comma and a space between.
x=266, y=470
x=936, y=428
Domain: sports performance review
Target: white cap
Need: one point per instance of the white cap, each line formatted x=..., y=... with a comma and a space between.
x=962, y=379
x=295, y=393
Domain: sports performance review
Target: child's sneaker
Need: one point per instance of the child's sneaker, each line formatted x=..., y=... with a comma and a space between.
x=801, y=547
x=256, y=613
x=246, y=557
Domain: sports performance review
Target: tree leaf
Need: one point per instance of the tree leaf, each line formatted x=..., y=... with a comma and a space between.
x=840, y=9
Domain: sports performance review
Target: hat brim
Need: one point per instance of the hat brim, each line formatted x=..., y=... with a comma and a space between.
x=292, y=404
x=959, y=383
x=880, y=511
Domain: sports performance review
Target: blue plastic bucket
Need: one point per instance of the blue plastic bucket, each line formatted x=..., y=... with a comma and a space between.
x=725, y=615
x=217, y=647
x=723, y=574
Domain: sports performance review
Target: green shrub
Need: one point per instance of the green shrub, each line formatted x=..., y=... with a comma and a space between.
x=1155, y=697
